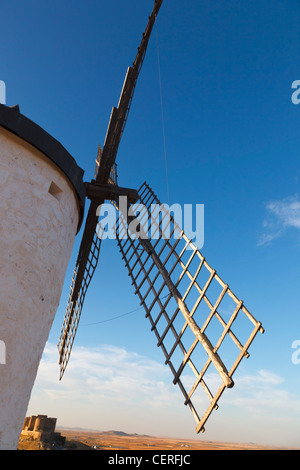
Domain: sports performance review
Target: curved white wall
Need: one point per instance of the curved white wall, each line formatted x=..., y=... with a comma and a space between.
x=37, y=232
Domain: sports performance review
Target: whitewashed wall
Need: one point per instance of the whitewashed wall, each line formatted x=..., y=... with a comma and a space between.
x=37, y=232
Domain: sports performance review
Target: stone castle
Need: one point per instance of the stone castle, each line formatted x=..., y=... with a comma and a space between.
x=42, y=428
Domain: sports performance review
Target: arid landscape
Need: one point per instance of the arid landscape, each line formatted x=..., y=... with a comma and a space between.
x=118, y=440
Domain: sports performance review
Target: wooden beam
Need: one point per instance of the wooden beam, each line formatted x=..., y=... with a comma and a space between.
x=99, y=192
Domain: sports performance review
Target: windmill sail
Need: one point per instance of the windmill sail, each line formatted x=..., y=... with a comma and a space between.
x=90, y=245
x=195, y=316
x=75, y=302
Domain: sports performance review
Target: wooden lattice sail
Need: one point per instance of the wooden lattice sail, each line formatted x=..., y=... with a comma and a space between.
x=85, y=267
x=203, y=329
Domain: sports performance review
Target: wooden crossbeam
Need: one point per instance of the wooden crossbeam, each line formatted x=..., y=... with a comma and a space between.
x=111, y=192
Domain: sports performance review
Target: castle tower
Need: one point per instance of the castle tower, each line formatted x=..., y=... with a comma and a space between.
x=41, y=210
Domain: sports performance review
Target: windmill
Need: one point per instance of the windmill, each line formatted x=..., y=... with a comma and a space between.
x=191, y=310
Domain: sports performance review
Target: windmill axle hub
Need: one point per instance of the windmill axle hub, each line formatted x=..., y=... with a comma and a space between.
x=101, y=192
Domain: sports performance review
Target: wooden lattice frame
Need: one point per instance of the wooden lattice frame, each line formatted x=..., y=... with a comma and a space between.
x=74, y=306
x=154, y=263
x=76, y=298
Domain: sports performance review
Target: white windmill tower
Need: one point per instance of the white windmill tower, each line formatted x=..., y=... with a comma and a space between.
x=41, y=210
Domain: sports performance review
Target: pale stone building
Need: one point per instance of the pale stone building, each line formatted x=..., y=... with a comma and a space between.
x=41, y=210
x=42, y=428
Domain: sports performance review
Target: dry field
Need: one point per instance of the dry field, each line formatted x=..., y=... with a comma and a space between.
x=114, y=440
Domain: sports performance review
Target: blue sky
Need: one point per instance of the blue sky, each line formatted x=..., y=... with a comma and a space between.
x=232, y=144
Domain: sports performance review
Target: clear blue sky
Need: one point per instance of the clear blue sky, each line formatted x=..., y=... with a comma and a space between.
x=232, y=143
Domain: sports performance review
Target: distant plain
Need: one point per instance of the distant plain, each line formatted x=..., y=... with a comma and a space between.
x=118, y=440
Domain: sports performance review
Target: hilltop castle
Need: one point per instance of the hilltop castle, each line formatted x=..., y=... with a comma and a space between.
x=42, y=428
